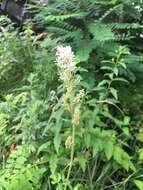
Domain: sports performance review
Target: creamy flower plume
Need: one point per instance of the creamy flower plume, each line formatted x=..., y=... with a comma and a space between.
x=66, y=62
x=65, y=58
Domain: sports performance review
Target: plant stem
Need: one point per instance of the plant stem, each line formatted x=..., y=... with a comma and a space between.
x=71, y=156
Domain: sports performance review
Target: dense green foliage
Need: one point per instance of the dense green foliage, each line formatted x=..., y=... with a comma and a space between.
x=48, y=140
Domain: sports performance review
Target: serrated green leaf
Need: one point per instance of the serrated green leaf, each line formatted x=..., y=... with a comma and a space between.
x=121, y=157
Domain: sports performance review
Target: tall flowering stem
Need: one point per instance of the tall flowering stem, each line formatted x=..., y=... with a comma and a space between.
x=71, y=99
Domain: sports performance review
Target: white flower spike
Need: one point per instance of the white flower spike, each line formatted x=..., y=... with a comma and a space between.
x=65, y=58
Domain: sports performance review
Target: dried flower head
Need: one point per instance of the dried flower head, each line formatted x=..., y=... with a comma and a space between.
x=76, y=116
x=69, y=142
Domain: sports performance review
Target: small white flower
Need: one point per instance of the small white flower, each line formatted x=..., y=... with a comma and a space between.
x=79, y=96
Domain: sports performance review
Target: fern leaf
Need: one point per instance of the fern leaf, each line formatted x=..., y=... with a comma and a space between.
x=84, y=49
x=65, y=17
x=101, y=32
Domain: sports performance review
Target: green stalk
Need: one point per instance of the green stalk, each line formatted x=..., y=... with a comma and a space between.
x=71, y=157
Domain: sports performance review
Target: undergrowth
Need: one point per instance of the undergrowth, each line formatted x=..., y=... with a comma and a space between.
x=71, y=97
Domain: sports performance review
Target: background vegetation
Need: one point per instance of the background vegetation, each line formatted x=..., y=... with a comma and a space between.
x=42, y=147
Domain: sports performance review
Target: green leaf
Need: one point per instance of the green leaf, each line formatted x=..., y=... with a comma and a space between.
x=108, y=148
x=65, y=17
x=115, y=70
x=123, y=158
x=114, y=2
x=43, y=147
x=82, y=161
x=53, y=163
x=140, y=154
x=98, y=145
x=57, y=142
x=126, y=131
x=140, y=136
x=103, y=82
x=120, y=79
x=101, y=32
x=126, y=120
x=21, y=160
x=57, y=128
x=114, y=93
x=87, y=140
x=139, y=184
x=84, y=49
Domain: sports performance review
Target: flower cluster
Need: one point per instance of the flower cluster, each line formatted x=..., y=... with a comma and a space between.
x=67, y=64
x=79, y=96
x=72, y=96
x=69, y=142
x=65, y=58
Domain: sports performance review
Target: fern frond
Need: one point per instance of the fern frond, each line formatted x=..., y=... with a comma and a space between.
x=123, y=37
x=75, y=35
x=85, y=47
x=65, y=16
x=57, y=30
x=2, y=123
x=101, y=32
x=66, y=25
x=108, y=12
x=125, y=26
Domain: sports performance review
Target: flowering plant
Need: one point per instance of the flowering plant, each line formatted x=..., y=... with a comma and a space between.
x=71, y=99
